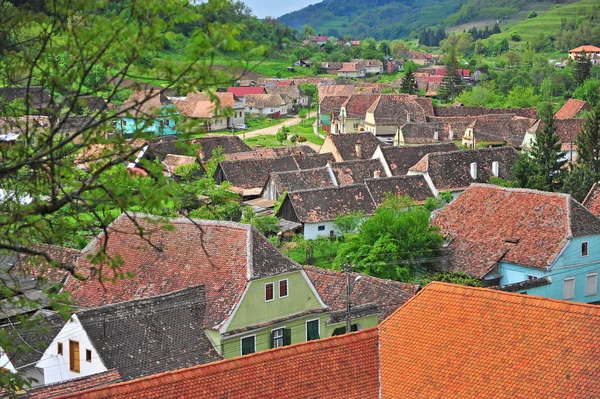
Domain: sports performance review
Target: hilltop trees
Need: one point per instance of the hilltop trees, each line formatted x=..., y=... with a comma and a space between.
x=452, y=84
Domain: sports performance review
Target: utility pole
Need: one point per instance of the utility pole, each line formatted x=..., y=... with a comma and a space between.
x=348, y=293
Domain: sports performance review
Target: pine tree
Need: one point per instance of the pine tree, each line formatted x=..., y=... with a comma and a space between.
x=452, y=84
x=409, y=84
x=546, y=152
x=588, y=142
x=582, y=68
x=496, y=29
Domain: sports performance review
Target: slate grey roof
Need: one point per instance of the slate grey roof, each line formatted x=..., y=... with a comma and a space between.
x=204, y=146
x=93, y=104
x=252, y=173
x=414, y=187
x=462, y=111
x=346, y=144
x=38, y=97
x=311, y=161
x=352, y=172
x=422, y=133
x=152, y=335
x=270, y=152
x=302, y=179
x=401, y=159
x=393, y=109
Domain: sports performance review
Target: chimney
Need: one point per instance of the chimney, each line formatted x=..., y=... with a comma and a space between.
x=436, y=136
x=496, y=168
x=408, y=117
x=377, y=174
x=358, y=149
x=474, y=170
x=451, y=134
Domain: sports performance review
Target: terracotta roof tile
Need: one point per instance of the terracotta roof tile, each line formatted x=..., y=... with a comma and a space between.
x=341, y=367
x=335, y=90
x=358, y=104
x=163, y=146
x=345, y=143
x=241, y=92
x=571, y=108
x=401, y=159
x=301, y=179
x=415, y=187
x=332, y=104
x=356, y=171
x=395, y=109
x=592, y=200
x=270, y=152
x=502, y=128
x=72, y=386
x=264, y=100
x=452, y=341
x=590, y=49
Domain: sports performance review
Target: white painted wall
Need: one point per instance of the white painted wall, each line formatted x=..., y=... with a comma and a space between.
x=56, y=367
x=311, y=230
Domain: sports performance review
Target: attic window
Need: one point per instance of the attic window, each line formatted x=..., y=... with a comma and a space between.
x=269, y=292
x=59, y=348
x=584, y=248
x=88, y=355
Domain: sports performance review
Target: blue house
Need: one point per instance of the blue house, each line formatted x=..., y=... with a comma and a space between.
x=526, y=241
x=148, y=111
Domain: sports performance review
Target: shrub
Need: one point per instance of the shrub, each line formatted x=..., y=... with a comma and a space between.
x=532, y=14
x=302, y=139
x=515, y=36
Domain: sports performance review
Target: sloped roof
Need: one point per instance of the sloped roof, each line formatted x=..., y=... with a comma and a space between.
x=355, y=171
x=587, y=49
x=452, y=170
x=426, y=104
x=415, y=187
x=401, y=159
x=500, y=128
x=252, y=173
x=37, y=96
x=592, y=200
x=301, y=179
x=264, y=100
x=151, y=335
x=345, y=143
x=323, y=204
x=527, y=227
x=72, y=386
x=350, y=67
x=335, y=90
x=222, y=256
x=93, y=104
x=173, y=161
x=201, y=105
x=270, y=152
x=311, y=160
x=358, y=104
x=145, y=102
x=165, y=145
x=395, y=108
x=332, y=104
x=571, y=108
x=243, y=91
x=344, y=366
x=465, y=111
x=292, y=92
x=422, y=133
x=567, y=129
x=464, y=342
x=388, y=295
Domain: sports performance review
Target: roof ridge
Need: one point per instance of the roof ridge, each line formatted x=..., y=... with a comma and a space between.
x=522, y=190
x=588, y=195
x=328, y=188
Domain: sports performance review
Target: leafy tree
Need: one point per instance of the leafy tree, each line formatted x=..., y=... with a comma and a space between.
x=579, y=181
x=546, y=152
x=394, y=243
x=294, y=138
x=310, y=89
x=525, y=172
x=302, y=114
x=581, y=68
x=452, y=84
x=398, y=47
x=513, y=57
x=308, y=31
x=589, y=91
x=409, y=84
x=349, y=223
x=282, y=134
x=522, y=97
x=588, y=142
x=266, y=224
x=384, y=47
x=410, y=66
x=459, y=278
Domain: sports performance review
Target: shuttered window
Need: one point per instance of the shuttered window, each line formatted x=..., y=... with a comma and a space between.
x=283, y=288
x=269, y=292
x=569, y=288
x=591, y=284
x=312, y=330
x=248, y=345
x=74, y=356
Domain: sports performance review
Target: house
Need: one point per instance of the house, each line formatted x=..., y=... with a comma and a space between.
x=329, y=110
x=497, y=130
x=567, y=130
x=467, y=111
x=296, y=97
x=272, y=105
x=573, y=109
x=331, y=67
x=352, y=113
x=319, y=40
x=90, y=105
x=241, y=92
x=465, y=342
x=148, y=111
x=172, y=162
x=418, y=58
x=433, y=85
x=510, y=236
x=350, y=146
x=335, y=90
x=256, y=298
x=588, y=51
x=273, y=152
x=455, y=171
x=202, y=147
x=35, y=99
x=352, y=70
x=391, y=110
x=415, y=133
x=214, y=111
x=282, y=182
x=370, y=66
x=137, y=338
x=356, y=171
x=397, y=161
x=316, y=209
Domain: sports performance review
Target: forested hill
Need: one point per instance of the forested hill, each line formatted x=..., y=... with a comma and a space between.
x=392, y=19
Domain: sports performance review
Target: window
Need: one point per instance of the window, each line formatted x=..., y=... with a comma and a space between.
x=248, y=344
x=124, y=122
x=569, y=288
x=283, y=288
x=591, y=284
x=59, y=348
x=168, y=122
x=355, y=126
x=269, y=292
x=161, y=123
x=584, y=248
x=531, y=277
x=88, y=355
x=312, y=330
x=277, y=338
x=342, y=330
x=74, y=356
x=321, y=228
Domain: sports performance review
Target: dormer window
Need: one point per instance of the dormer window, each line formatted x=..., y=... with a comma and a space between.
x=584, y=248
x=269, y=292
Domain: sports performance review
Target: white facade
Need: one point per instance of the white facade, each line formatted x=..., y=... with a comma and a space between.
x=267, y=111
x=323, y=229
x=57, y=368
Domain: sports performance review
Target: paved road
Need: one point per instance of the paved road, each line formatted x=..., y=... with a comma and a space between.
x=272, y=130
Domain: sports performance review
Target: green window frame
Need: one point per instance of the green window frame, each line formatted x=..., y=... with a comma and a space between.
x=313, y=328
x=248, y=344
x=281, y=337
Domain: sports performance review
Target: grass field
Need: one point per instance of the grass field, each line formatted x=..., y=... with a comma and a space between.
x=306, y=130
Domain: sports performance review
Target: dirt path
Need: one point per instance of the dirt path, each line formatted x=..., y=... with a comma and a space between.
x=272, y=130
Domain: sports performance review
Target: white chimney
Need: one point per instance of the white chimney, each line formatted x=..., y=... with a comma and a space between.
x=358, y=149
x=436, y=136
x=408, y=117
x=474, y=170
x=496, y=168
x=377, y=174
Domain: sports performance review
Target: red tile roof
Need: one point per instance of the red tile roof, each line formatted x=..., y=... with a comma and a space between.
x=587, y=49
x=592, y=200
x=486, y=224
x=242, y=91
x=344, y=366
x=388, y=295
x=358, y=104
x=452, y=341
x=222, y=256
x=72, y=386
x=571, y=108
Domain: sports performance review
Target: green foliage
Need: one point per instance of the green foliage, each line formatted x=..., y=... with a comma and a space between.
x=395, y=243
x=452, y=84
x=302, y=114
x=268, y=225
x=498, y=181
x=532, y=14
x=311, y=91
x=582, y=68
x=588, y=142
x=409, y=84
x=522, y=97
x=546, y=152
x=589, y=91
x=579, y=181
x=302, y=139
x=186, y=171
x=282, y=134
x=349, y=223
x=293, y=138
x=278, y=203
x=459, y=278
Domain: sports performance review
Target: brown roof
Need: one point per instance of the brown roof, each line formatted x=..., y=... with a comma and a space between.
x=332, y=104
x=344, y=366
x=452, y=341
x=37, y=96
x=252, y=173
x=500, y=128
x=587, y=49
x=346, y=144
x=204, y=105
x=264, y=100
x=480, y=111
x=414, y=187
x=571, y=108
x=356, y=171
x=567, y=129
x=146, y=102
x=426, y=104
x=401, y=159
x=452, y=170
x=526, y=227
x=72, y=386
x=395, y=108
x=350, y=67
x=173, y=161
x=270, y=152
x=335, y=90
x=222, y=256
x=388, y=295
x=311, y=160
x=424, y=133
x=358, y=104
x=301, y=179
x=204, y=146
x=592, y=200
x=292, y=92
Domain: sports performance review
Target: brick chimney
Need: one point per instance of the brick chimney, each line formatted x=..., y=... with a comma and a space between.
x=358, y=149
